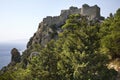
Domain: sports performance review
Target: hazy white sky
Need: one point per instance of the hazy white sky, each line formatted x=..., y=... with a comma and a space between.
x=19, y=19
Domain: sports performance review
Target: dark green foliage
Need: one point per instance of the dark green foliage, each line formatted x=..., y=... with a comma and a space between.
x=74, y=56
x=44, y=66
x=7, y=76
x=110, y=40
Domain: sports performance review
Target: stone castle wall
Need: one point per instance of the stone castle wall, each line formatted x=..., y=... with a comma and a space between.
x=93, y=11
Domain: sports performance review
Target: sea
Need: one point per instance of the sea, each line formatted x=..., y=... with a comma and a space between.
x=5, y=52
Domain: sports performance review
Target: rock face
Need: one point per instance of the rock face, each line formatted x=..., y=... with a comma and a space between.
x=50, y=27
x=16, y=58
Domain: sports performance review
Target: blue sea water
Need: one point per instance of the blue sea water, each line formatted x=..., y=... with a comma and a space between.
x=5, y=49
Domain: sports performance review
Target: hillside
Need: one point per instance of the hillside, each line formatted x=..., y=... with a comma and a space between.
x=77, y=45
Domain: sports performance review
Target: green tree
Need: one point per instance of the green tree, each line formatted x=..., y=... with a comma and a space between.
x=110, y=39
x=44, y=67
x=74, y=56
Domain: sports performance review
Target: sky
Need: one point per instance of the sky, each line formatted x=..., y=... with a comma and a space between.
x=19, y=19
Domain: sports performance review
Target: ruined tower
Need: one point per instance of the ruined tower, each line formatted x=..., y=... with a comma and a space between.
x=93, y=12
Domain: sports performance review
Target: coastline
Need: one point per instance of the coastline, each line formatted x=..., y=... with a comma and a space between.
x=5, y=52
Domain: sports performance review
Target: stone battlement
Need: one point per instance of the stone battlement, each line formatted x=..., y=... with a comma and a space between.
x=93, y=12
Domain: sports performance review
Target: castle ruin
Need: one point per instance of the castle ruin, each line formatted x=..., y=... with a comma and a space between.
x=52, y=25
x=92, y=12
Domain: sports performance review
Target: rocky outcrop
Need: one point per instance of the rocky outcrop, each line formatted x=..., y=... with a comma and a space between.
x=50, y=27
x=15, y=56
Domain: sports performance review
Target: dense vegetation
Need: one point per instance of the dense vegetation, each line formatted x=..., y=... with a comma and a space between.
x=81, y=52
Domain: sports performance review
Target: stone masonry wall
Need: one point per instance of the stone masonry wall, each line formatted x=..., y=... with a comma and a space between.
x=93, y=11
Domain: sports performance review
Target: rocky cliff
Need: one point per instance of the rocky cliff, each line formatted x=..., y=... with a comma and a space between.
x=50, y=27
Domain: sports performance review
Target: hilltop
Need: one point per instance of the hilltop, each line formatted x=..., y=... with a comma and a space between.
x=79, y=44
x=51, y=26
